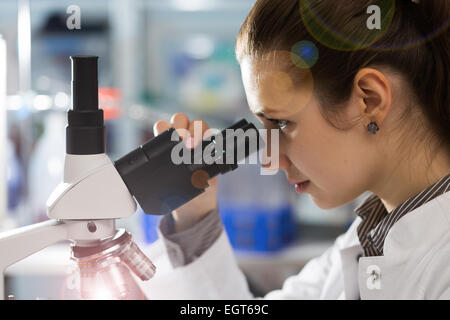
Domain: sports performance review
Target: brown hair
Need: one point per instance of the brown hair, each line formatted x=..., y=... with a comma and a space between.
x=414, y=41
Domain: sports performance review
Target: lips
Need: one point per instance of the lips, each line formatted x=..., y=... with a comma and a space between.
x=296, y=181
x=301, y=187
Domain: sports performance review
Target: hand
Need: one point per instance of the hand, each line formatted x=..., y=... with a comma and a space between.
x=193, y=211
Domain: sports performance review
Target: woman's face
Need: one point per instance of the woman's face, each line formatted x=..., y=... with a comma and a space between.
x=340, y=165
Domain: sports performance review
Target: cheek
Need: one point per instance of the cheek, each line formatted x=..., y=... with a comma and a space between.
x=328, y=157
x=338, y=162
x=337, y=173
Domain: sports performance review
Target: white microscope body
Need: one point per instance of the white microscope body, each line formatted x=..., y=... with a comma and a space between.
x=82, y=208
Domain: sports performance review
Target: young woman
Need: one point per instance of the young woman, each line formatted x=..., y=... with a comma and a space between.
x=360, y=107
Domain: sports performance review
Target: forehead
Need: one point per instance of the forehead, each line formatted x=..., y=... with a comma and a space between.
x=273, y=61
x=270, y=85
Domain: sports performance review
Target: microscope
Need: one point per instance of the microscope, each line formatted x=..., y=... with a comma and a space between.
x=96, y=191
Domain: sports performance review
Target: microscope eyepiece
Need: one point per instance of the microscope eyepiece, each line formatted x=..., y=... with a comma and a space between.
x=85, y=133
x=84, y=83
x=160, y=184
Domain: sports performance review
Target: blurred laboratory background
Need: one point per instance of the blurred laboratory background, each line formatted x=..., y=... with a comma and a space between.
x=156, y=58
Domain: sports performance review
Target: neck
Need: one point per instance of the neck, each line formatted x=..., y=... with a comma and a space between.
x=408, y=178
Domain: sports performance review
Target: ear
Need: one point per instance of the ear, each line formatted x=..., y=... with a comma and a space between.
x=373, y=94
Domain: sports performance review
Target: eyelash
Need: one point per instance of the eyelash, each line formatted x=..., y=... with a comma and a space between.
x=282, y=124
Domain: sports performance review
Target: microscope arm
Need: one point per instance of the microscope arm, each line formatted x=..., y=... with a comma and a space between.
x=18, y=244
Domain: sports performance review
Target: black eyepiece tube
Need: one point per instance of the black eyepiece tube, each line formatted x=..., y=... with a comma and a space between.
x=85, y=133
x=160, y=182
x=84, y=83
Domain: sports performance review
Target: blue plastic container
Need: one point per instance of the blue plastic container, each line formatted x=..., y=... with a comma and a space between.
x=150, y=224
x=256, y=209
x=255, y=228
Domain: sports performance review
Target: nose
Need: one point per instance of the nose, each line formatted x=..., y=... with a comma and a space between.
x=283, y=163
x=271, y=163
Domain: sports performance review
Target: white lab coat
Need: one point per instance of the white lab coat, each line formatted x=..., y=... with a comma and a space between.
x=415, y=265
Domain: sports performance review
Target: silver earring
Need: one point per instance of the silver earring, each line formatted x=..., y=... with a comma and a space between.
x=372, y=127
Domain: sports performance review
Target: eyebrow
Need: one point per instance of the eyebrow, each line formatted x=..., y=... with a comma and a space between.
x=261, y=114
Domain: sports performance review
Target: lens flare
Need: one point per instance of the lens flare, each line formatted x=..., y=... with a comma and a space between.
x=304, y=54
x=285, y=88
x=339, y=38
x=277, y=88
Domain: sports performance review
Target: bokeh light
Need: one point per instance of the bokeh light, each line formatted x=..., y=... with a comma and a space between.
x=304, y=54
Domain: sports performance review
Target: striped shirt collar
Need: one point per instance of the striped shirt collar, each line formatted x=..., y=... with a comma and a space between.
x=377, y=222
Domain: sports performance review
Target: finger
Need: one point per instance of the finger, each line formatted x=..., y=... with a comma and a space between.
x=160, y=126
x=181, y=123
x=196, y=129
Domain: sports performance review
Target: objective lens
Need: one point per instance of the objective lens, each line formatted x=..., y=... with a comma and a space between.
x=137, y=261
x=104, y=268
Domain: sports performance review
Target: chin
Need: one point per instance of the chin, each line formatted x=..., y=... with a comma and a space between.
x=324, y=204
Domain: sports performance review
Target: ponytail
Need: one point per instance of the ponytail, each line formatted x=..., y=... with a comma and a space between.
x=434, y=25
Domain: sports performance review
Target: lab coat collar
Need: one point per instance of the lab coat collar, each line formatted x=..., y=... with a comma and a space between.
x=410, y=239
x=350, y=252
